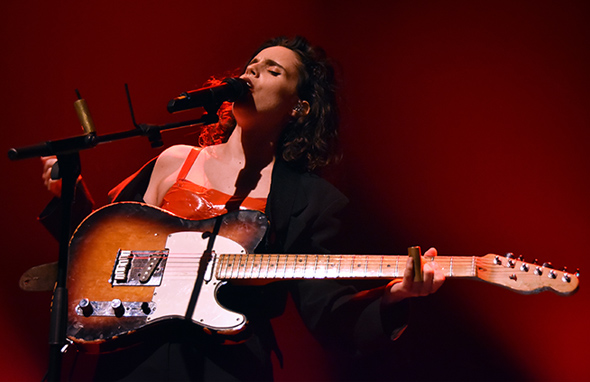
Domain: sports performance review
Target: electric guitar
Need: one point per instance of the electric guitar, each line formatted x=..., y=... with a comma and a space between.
x=132, y=265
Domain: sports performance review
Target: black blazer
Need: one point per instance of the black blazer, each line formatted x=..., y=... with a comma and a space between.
x=302, y=209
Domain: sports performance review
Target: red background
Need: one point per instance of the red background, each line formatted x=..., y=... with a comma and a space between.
x=465, y=127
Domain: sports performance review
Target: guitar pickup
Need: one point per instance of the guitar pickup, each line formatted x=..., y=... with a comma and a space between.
x=138, y=268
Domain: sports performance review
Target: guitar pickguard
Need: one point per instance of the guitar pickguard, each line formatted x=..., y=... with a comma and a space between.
x=172, y=298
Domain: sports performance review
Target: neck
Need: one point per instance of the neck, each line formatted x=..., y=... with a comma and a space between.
x=251, y=148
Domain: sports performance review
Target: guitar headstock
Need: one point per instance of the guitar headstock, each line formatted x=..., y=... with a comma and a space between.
x=515, y=274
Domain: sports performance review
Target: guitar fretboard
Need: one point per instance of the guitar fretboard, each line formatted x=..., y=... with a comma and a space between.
x=281, y=267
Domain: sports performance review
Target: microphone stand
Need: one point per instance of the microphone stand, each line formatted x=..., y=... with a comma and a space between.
x=67, y=151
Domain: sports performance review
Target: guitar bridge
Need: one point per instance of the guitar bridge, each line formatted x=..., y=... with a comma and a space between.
x=138, y=268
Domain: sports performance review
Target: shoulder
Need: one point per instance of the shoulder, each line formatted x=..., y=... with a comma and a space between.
x=323, y=193
x=305, y=188
x=309, y=181
x=172, y=158
x=175, y=153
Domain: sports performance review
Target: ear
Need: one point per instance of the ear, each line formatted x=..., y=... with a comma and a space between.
x=301, y=109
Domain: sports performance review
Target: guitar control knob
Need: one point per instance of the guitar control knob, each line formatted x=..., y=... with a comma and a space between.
x=118, y=308
x=86, y=307
x=145, y=308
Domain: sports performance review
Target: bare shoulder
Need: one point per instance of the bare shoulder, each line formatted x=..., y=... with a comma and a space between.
x=172, y=159
x=174, y=154
x=168, y=163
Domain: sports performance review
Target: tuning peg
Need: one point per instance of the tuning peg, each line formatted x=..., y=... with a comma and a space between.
x=564, y=269
x=577, y=272
x=511, y=262
x=520, y=258
x=535, y=261
x=548, y=265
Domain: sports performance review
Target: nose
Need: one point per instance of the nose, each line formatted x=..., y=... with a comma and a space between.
x=252, y=70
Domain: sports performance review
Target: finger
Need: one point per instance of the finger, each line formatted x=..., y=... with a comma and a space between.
x=409, y=272
x=427, y=285
x=431, y=252
x=48, y=161
x=439, y=279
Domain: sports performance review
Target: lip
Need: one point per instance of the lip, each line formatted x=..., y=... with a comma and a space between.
x=249, y=82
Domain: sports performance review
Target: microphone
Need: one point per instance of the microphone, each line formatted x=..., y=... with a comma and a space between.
x=230, y=90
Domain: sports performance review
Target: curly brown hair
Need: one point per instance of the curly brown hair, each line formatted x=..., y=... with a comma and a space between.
x=308, y=142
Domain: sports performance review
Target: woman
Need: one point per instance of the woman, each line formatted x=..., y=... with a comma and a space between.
x=285, y=129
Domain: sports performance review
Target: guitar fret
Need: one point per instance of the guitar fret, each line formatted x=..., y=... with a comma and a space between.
x=235, y=267
x=300, y=264
x=221, y=265
x=276, y=266
x=226, y=266
x=315, y=267
x=252, y=267
x=451, y=267
x=242, y=267
x=267, y=266
x=260, y=266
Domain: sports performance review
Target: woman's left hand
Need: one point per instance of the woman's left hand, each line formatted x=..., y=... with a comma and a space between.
x=433, y=278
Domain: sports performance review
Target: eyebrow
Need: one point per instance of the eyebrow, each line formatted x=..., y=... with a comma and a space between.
x=268, y=62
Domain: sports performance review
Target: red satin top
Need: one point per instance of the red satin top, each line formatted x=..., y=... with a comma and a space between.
x=195, y=202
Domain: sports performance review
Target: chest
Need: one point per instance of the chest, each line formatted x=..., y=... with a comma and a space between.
x=231, y=177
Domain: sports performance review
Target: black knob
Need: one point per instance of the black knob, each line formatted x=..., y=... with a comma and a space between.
x=145, y=308
x=118, y=307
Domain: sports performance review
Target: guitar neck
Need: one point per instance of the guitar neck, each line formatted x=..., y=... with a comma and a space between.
x=285, y=267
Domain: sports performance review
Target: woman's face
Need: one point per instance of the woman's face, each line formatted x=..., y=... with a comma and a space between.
x=273, y=76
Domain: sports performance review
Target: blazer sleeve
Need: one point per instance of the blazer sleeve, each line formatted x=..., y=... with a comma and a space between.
x=345, y=316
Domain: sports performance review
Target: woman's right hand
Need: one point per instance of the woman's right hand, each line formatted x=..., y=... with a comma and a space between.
x=53, y=186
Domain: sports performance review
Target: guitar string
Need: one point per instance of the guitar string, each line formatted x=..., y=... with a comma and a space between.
x=366, y=263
